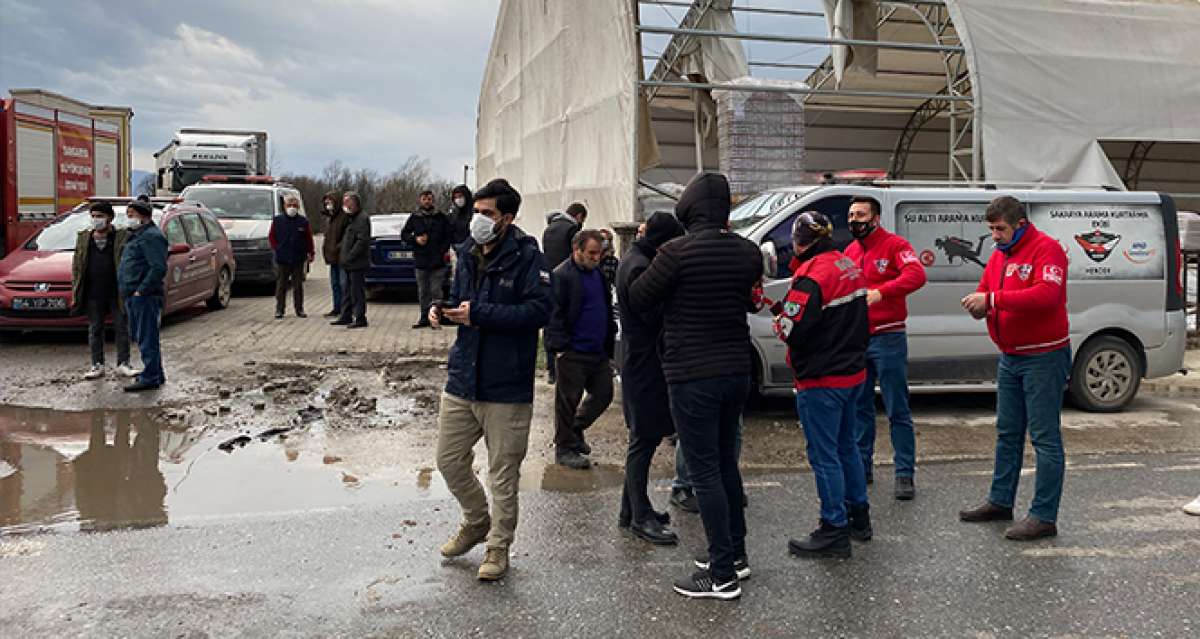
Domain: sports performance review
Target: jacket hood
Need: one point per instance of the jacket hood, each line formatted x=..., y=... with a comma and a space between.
x=661, y=228
x=705, y=203
x=554, y=216
x=337, y=202
x=466, y=192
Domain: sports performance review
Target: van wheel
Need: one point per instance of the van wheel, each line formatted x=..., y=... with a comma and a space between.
x=1106, y=375
x=224, y=291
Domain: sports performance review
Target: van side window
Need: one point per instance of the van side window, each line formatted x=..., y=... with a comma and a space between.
x=835, y=208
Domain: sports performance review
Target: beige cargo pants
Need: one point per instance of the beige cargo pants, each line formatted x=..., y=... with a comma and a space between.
x=505, y=431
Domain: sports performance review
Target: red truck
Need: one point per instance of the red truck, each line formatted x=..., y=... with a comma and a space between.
x=57, y=152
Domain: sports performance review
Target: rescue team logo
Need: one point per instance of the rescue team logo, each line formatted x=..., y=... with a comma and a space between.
x=908, y=257
x=791, y=308
x=1023, y=271
x=1139, y=253
x=1098, y=244
x=928, y=257
x=1052, y=273
x=881, y=265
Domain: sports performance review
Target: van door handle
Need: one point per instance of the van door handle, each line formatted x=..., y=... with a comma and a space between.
x=191, y=258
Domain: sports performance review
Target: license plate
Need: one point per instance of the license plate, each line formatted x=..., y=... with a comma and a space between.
x=39, y=303
x=399, y=255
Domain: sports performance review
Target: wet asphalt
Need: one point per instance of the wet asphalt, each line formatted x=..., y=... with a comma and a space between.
x=1126, y=563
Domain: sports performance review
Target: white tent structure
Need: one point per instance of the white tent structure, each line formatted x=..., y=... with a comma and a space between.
x=1102, y=93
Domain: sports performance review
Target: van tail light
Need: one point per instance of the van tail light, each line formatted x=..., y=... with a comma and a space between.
x=1179, y=266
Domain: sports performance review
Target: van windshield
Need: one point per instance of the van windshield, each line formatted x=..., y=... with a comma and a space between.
x=758, y=208
x=235, y=203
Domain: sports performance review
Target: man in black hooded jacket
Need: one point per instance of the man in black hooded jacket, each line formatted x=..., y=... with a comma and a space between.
x=643, y=387
x=460, y=213
x=706, y=282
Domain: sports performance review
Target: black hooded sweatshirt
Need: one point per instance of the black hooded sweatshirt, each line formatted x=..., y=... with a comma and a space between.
x=705, y=280
x=460, y=217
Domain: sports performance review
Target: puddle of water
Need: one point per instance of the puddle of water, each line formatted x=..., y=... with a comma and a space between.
x=106, y=470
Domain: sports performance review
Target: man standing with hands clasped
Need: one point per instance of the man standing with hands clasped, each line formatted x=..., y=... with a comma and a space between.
x=891, y=272
x=1023, y=296
x=499, y=300
x=428, y=230
x=291, y=240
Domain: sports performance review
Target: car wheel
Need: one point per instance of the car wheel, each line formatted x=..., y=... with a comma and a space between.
x=1106, y=375
x=224, y=291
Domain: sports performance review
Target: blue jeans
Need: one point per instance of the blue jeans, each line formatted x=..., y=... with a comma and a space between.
x=335, y=283
x=828, y=418
x=1029, y=394
x=887, y=362
x=681, y=480
x=706, y=414
x=145, y=317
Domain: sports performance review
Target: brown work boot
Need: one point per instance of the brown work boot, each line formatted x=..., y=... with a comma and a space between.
x=467, y=538
x=495, y=564
x=987, y=512
x=1030, y=528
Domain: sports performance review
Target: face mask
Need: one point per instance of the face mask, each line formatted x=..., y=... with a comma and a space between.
x=99, y=223
x=861, y=229
x=329, y=207
x=460, y=202
x=135, y=222
x=292, y=211
x=483, y=229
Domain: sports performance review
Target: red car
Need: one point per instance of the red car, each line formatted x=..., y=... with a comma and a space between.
x=35, y=280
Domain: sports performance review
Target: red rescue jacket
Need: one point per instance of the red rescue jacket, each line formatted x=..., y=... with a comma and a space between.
x=1027, y=295
x=890, y=266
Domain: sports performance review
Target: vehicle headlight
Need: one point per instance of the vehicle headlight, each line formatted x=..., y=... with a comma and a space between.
x=264, y=244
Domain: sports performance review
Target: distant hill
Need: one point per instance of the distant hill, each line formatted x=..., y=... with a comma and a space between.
x=135, y=179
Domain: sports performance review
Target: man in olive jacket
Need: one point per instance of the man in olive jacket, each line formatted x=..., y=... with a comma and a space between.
x=94, y=287
x=355, y=259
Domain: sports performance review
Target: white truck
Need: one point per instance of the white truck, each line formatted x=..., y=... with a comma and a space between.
x=194, y=153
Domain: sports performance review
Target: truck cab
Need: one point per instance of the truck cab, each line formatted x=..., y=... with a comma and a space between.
x=194, y=153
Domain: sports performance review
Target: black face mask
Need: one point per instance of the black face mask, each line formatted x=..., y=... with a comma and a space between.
x=861, y=229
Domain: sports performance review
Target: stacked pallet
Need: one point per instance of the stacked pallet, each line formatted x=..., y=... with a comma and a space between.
x=761, y=136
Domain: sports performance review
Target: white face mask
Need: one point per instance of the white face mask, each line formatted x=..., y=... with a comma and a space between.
x=135, y=222
x=292, y=211
x=99, y=223
x=460, y=202
x=483, y=229
x=329, y=207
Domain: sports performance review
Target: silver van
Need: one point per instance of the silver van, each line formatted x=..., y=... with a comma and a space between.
x=1124, y=290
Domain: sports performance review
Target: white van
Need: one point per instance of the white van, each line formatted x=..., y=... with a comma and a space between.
x=1124, y=292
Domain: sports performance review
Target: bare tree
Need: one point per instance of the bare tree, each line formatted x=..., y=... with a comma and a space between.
x=395, y=192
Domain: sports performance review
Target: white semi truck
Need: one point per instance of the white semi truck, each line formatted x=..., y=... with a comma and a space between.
x=194, y=153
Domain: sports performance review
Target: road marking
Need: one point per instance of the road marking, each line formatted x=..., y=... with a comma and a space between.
x=1172, y=469
x=1070, y=466
x=1135, y=552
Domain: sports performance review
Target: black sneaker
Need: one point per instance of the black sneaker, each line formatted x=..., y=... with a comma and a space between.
x=301, y=314
x=340, y=322
x=905, y=490
x=684, y=500
x=826, y=542
x=701, y=586
x=278, y=315
x=583, y=448
x=860, y=522
x=741, y=565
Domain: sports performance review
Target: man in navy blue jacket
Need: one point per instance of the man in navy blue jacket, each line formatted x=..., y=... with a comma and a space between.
x=140, y=283
x=291, y=239
x=499, y=300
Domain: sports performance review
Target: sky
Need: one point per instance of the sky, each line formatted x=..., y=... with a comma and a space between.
x=367, y=82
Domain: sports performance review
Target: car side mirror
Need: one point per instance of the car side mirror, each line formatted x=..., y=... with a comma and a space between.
x=770, y=258
x=176, y=249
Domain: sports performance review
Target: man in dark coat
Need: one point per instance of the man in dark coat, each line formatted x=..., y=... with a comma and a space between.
x=355, y=259
x=94, y=287
x=331, y=247
x=428, y=231
x=291, y=241
x=140, y=283
x=461, y=203
x=643, y=387
x=561, y=228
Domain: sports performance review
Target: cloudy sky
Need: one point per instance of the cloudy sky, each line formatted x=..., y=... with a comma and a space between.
x=369, y=82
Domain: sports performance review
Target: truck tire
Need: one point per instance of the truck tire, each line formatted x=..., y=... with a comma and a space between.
x=223, y=291
x=1106, y=375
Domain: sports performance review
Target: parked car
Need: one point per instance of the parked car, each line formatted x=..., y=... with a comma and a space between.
x=1124, y=289
x=392, y=265
x=35, y=280
x=245, y=206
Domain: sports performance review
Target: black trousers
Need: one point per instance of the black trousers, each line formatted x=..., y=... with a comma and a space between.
x=579, y=372
x=97, y=310
x=635, y=501
x=707, y=413
x=289, y=275
x=354, y=297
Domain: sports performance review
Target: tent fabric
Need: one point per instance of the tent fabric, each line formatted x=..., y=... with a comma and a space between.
x=1054, y=79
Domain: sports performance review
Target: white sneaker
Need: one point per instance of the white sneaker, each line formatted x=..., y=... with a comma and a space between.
x=1193, y=508
x=95, y=372
x=127, y=371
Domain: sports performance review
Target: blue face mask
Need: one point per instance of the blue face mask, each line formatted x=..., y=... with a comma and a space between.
x=1007, y=246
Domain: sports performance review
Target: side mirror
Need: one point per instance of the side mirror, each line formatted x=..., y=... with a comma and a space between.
x=770, y=259
x=176, y=249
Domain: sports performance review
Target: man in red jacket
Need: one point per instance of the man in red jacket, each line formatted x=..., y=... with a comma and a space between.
x=1023, y=295
x=892, y=273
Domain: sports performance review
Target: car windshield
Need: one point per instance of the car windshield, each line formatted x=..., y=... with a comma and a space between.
x=60, y=234
x=388, y=225
x=234, y=203
x=760, y=207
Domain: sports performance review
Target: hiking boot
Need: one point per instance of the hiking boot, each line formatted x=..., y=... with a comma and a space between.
x=95, y=372
x=987, y=512
x=466, y=538
x=685, y=500
x=653, y=531
x=495, y=564
x=1031, y=528
x=905, y=490
x=741, y=565
x=140, y=386
x=827, y=541
x=860, y=522
x=573, y=460
x=700, y=585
